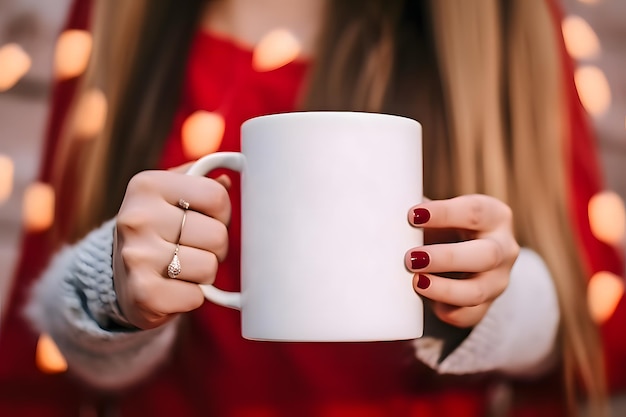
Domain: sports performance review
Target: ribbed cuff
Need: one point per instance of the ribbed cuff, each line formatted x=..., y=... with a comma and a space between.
x=74, y=302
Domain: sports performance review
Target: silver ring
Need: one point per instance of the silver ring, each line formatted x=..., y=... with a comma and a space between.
x=174, y=268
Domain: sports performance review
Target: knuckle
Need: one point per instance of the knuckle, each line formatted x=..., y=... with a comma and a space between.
x=133, y=257
x=132, y=218
x=507, y=213
x=221, y=232
x=515, y=250
x=143, y=181
x=209, y=268
x=495, y=255
x=448, y=257
x=503, y=284
x=221, y=199
x=218, y=241
x=475, y=212
x=478, y=295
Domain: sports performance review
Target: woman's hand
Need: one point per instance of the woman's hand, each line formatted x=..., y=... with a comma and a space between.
x=463, y=277
x=148, y=229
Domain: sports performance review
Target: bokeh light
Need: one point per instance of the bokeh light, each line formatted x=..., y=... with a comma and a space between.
x=91, y=114
x=580, y=39
x=72, y=53
x=48, y=358
x=607, y=217
x=7, y=171
x=276, y=49
x=14, y=64
x=38, y=207
x=202, y=133
x=604, y=293
x=593, y=89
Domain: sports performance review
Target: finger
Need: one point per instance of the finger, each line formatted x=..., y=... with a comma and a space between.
x=462, y=317
x=163, y=296
x=197, y=266
x=198, y=231
x=203, y=194
x=469, y=292
x=476, y=255
x=472, y=212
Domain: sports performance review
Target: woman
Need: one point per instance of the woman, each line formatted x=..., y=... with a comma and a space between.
x=483, y=79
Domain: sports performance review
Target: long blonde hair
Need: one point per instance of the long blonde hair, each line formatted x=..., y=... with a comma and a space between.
x=522, y=151
x=483, y=77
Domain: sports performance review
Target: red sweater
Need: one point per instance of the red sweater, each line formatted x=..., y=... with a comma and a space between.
x=213, y=370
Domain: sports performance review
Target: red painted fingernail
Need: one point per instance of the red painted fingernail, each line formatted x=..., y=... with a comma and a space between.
x=419, y=259
x=421, y=215
x=423, y=282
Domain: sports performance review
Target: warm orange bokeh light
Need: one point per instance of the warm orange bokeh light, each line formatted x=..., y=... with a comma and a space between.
x=72, y=53
x=48, y=357
x=580, y=39
x=279, y=47
x=91, y=114
x=607, y=217
x=14, y=64
x=202, y=133
x=593, y=89
x=604, y=293
x=38, y=208
x=7, y=170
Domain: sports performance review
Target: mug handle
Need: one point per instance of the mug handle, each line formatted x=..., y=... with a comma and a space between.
x=204, y=165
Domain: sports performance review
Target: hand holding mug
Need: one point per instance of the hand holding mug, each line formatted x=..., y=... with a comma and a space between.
x=485, y=256
x=149, y=229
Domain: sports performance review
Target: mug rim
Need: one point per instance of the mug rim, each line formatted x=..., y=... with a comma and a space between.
x=325, y=113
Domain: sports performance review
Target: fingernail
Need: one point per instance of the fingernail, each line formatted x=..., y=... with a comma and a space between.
x=421, y=215
x=419, y=259
x=423, y=282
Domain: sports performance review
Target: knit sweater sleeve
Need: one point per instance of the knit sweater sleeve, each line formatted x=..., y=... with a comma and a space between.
x=74, y=302
x=518, y=334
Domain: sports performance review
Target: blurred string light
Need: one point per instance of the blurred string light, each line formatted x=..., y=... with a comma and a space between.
x=72, y=53
x=38, y=207
x=202, y=133
x=7, y=171
x=607, y=217
x=91, y=114
x=593, y=89
x=14, y=64
x=603, y=294
x=276, y=49
x=580, y=39
x=582, y=43
x=48, y=358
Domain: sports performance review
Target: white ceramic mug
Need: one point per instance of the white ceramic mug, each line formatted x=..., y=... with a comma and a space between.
x=325, y=197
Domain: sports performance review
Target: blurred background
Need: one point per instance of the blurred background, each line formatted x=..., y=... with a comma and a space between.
x=33, y=51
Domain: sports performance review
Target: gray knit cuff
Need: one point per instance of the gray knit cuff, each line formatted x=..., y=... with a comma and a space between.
x=74, y=302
